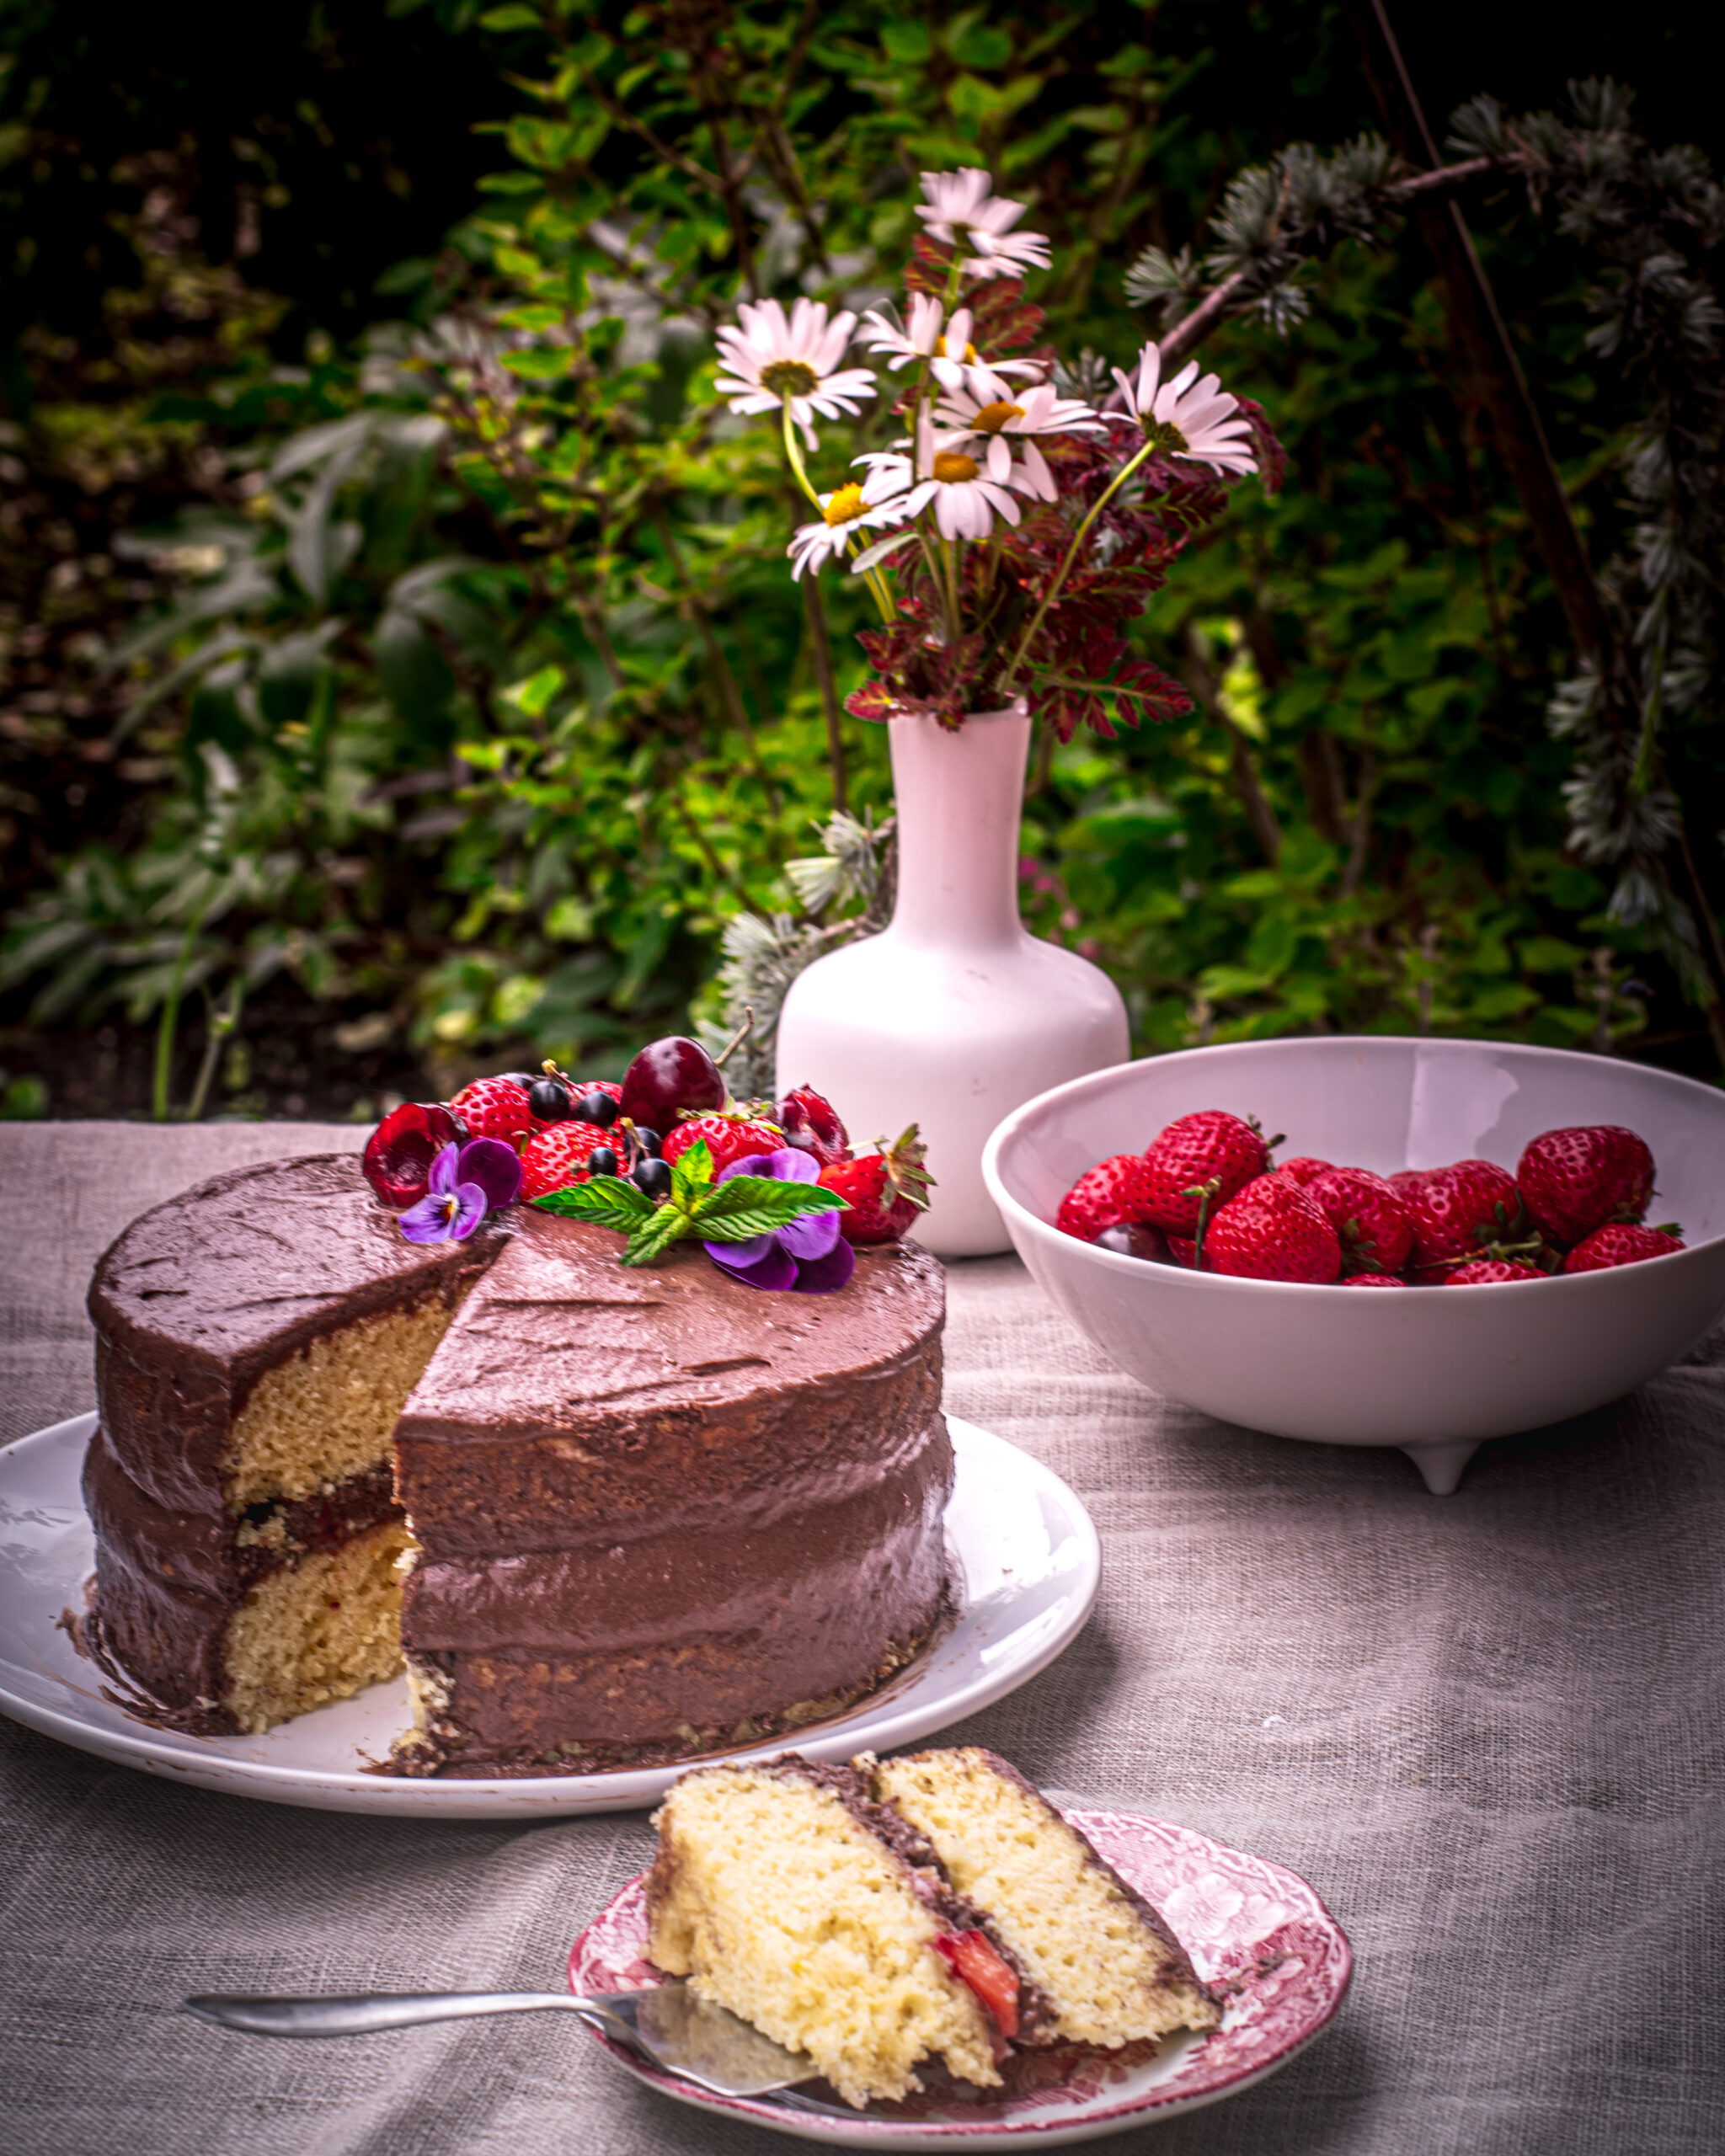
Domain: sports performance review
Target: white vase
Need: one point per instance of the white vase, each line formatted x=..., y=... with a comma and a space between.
x=955, y=1015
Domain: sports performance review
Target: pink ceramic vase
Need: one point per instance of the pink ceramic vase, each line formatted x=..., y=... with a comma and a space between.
x=955, y=1015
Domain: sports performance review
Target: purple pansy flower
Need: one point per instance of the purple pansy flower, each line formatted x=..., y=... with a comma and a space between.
x=808, y=1256
x=465, y=1182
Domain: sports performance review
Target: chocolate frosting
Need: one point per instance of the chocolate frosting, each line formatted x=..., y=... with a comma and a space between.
x=653, y=1503
x=655, y=1499
x=197, y=1298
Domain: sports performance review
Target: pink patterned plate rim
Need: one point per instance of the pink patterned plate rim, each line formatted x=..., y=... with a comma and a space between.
x=1254, y=1930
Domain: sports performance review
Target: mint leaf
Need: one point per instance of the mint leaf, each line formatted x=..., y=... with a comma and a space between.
x=666, y=1227
x=607, y=1200
x=738, y=1227
x=691, y=1174
x=779, y=1203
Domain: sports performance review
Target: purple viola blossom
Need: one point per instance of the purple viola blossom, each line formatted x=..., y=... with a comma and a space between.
x=807, y=1256
x=465, y=1182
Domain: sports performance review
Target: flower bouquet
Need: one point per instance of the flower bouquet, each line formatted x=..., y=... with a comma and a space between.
x=1013, y=530
x=1021, y=517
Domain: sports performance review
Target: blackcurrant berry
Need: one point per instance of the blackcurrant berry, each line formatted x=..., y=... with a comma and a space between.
x=601, y=1161
x=653, y=1177
x=648, y=1143
x=549, y=1100
x=597, y=1108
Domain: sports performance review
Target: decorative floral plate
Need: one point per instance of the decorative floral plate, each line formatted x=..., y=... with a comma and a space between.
x=1255, y=1931
x=1025, y=1569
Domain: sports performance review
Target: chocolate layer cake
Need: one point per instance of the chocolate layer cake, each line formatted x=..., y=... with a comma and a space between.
x=658, y=1510
x=638, y=1513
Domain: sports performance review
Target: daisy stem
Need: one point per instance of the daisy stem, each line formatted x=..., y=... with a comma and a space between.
x=1079, y=536
x=794, y=457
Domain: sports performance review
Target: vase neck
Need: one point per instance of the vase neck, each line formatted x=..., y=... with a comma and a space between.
x=957, y=798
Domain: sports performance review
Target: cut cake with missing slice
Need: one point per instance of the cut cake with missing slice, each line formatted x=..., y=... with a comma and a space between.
x=884, y=1917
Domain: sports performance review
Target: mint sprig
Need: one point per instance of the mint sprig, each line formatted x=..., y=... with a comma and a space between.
x=732, y=1212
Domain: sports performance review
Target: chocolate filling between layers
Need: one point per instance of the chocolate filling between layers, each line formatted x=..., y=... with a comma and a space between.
x=929, y=1882
x=1180, y=1961
x=168, y=1582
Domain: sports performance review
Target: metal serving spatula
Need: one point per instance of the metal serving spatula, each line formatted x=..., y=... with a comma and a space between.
x=686, y=2035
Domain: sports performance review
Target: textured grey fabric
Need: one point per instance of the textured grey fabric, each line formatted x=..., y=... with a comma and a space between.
x=1487, y=1728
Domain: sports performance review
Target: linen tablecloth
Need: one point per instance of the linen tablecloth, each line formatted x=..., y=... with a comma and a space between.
x=1487, y=1728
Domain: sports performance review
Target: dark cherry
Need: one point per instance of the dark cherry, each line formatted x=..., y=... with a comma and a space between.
x=653, y=1177
x=399, y=1152
x=549, y=1099
x=1135, y=1238
x=668, y=1077
x=596, y=1108
x=648, y=1143
x=524, y=1079
x=601, y=1161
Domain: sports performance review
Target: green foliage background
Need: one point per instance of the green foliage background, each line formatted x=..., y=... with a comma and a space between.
x=418, y=682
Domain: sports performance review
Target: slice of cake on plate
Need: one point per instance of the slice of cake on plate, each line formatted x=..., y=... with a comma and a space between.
x=817, y=1905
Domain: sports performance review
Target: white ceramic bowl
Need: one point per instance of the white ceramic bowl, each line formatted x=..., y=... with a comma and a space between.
x=1433, y=1370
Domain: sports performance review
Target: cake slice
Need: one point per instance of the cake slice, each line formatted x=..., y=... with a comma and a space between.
x=887, y=1915
x=784, y=1892
x=1111, y=1970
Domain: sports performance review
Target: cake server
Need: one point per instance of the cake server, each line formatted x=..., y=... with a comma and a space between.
x=674, y=2028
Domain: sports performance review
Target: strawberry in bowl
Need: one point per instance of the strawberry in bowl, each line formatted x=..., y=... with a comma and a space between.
x=1406, y=1170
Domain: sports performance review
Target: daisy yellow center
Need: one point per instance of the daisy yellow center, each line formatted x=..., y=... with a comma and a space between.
x=846, y=505
x=970, y=355
x=1164, y=437
x=953, y=467
x=993, y=417
x=789, y=378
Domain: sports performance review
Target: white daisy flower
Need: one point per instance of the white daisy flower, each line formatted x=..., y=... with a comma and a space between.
x=1186, y=417
x=964, y=211
x=772, y=360
x=968, y=492
x=945, y=346
x=983, y=404
x=879, y=500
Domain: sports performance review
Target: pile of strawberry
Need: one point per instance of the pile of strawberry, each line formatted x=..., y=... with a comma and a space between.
x=566, y=1131
x=1206, y=1194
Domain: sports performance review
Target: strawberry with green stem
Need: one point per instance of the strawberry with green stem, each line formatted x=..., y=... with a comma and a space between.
x=885, y=1190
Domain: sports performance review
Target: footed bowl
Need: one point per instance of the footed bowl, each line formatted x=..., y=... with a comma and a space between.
x=1434, y=1371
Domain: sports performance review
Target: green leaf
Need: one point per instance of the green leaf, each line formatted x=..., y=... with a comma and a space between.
x=607, y=1200
x=541, y=363
x=691, y=1175
x=777, y=1203
x=908, y=43
x=739, y=1227
x=667, y=1225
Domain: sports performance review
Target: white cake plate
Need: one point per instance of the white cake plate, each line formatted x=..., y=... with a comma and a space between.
x=1025, y=1565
